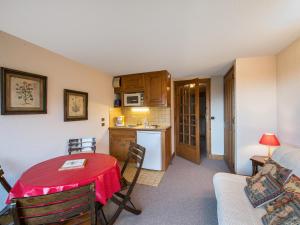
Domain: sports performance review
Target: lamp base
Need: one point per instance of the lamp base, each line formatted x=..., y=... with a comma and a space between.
x=269, y=153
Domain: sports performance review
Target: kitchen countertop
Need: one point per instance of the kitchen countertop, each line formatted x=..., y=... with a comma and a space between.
x=159, y=128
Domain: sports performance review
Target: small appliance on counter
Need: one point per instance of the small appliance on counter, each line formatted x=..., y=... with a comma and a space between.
x=120, y=121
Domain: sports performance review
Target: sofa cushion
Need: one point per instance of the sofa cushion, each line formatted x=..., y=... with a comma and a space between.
x=287, y=214
x=272, y=168
x=233, y=206
x=263, y=190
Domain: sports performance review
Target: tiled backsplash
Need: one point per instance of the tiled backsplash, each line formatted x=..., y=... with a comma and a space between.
x=156, y=115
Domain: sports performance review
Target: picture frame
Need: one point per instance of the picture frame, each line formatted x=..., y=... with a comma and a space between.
x=22, y=92
x=75, y=105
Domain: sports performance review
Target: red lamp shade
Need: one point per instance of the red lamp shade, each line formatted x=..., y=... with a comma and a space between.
x=269, y=139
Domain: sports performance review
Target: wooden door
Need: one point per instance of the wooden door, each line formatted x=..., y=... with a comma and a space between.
x=229, y=120
x=187, y=120
x=156, y=88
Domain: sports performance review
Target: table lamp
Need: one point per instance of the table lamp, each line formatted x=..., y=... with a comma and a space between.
x=269, y=139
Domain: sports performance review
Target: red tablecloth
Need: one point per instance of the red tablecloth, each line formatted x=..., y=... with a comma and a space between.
x=45, y=178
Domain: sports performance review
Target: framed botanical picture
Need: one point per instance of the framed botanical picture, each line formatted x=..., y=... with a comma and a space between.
x=75, y=105
x=22, y=92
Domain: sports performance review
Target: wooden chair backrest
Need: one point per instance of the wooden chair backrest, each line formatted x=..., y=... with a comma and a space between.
x=65, y=207
x=3, y=181
x=137, y=153
x=82, y=145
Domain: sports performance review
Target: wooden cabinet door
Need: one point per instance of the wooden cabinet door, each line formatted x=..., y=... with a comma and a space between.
x=119, y=141
x=133, y=83
x=156, y=88
x=167, y=148
x=229, y=119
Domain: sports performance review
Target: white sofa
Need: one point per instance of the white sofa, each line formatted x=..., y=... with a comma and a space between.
x=234, y=207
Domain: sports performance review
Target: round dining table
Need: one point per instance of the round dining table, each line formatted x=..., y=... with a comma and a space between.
x=47, y=178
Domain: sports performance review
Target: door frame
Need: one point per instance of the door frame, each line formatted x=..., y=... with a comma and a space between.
x=207, y=83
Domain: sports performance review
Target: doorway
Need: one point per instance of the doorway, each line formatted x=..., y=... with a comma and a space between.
x=192, y=119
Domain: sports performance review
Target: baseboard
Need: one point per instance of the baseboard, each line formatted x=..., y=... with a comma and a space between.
x=216, y=157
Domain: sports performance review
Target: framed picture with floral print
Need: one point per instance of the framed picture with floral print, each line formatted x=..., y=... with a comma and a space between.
x=75, y=105
x=22, y=92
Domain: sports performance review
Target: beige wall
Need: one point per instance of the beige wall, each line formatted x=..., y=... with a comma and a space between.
x=288, y=85
x=29, y=139
x=256, y=107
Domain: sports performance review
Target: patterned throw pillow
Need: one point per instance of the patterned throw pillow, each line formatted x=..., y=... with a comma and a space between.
x=293, y=186
x=278, y=172
x=283, y=199
x=288, y=214
x=263, y=191
x=291, y=191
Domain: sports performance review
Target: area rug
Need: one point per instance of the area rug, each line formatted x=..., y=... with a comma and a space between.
x=147, y=177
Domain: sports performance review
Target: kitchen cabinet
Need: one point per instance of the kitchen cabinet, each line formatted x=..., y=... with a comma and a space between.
x=119, y=141
x=132, y=83
x=120, y=138
x=158, y=88
x=167, y=148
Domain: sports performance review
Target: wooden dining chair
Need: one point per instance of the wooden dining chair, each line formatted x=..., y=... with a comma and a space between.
x=82, y=145
x=76, y=206
x=136, y=153
x=7, y=187
x=3, y=181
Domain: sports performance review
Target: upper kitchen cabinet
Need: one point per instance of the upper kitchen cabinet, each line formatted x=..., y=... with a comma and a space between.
x=158, y=88
x=132, y=83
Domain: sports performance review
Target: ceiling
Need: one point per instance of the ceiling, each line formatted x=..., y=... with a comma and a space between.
x=186, y=37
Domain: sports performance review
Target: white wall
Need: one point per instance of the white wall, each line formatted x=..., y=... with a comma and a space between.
x=28, y=139
x=256, y=107
x=217, y=110
x=288, y=85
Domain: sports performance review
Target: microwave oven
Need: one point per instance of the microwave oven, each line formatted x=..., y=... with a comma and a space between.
x=134, y=99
